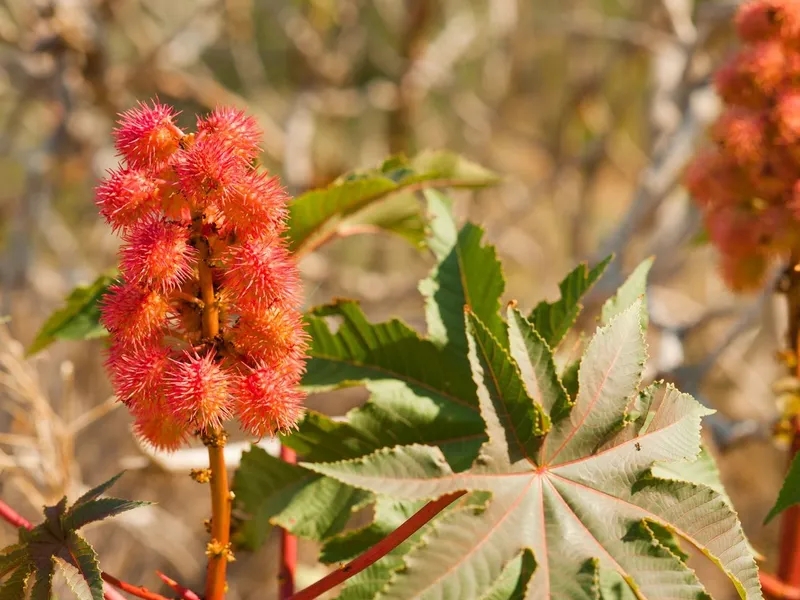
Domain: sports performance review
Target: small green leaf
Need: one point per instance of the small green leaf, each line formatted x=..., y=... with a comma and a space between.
x=98, y=490
x=12, y=557
x=97, y=510
x=552, y=320
x=14, y=587
x=634, y=288
x=43, y=580
x=86, y=560
x=79, y=319
x=790, y=492
x=358, y=201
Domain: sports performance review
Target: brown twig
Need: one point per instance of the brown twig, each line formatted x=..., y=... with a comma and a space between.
x=379, y=550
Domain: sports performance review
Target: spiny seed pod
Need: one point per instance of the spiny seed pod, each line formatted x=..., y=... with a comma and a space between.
x=204, y=322
x=746, y=185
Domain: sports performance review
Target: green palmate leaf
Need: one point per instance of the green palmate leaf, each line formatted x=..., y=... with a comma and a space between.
x=468, y=274
x=587, y=503
x=790, y=492
x=273, y=492
x=86, y=561
x=74, y=579
x=552, y=320
x=634, y=288
x=358, y=201
x=79, y=319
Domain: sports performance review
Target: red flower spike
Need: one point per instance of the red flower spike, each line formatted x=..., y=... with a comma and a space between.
x=233, y=128
x=257, y=206
x=147, y=136
x=208, y=172
x=137, y=373
x=179, y=194
x=196, y=390
x=157, y=254
x=259, y=272
x=160, y=430
x=132, y=313
x=127, y=196
x=271, y=336
x=268, y=400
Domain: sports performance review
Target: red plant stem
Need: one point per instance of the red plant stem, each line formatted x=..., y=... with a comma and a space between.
x=288, y=566
x=183, y=592
x=775, y=589
x=379, y=550
x=9, y=515
x=133, y=590
x=789, y=562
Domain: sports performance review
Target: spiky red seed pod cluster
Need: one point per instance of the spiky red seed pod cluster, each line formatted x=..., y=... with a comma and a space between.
x=747, y=183
x=178, y=199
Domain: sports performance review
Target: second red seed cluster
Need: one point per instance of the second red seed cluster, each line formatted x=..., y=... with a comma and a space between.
x=747, y=184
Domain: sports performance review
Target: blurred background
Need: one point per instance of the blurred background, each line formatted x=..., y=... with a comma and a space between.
x=588, y=109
